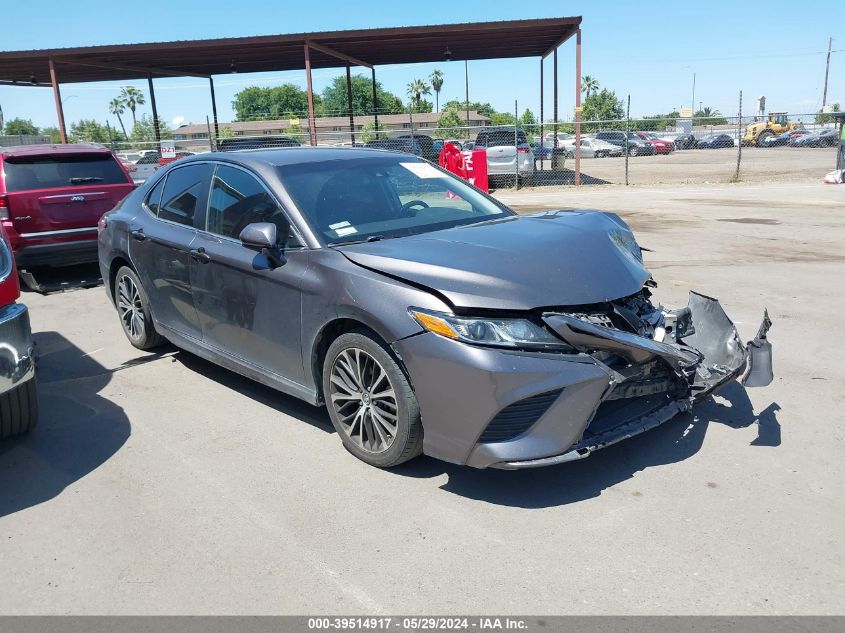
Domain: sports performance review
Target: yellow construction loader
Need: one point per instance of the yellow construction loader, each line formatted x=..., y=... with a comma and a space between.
x=757, y=132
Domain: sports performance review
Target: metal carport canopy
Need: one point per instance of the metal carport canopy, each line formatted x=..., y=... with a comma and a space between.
x=203, y=58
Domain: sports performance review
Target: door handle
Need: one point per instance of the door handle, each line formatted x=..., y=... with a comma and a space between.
x=138, y=234
x=199, y=254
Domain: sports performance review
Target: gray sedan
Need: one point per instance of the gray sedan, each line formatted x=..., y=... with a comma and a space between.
x=427, y=316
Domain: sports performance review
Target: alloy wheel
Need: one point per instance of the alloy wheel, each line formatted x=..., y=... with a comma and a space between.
x=130, y=307
x=364, y=400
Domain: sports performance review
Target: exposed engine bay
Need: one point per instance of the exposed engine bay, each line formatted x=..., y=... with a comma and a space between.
x=652, y=349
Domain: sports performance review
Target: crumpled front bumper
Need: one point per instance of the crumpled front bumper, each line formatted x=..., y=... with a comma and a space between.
x=462, y=389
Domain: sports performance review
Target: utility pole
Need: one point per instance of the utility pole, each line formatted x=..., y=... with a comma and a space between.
x=826, y=71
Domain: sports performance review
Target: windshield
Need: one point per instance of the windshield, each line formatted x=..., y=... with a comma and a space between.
x=352, y=200
x=51, y=172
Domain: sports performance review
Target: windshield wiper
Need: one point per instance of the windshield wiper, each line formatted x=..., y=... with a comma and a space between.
x=372, y=238
x=79, y=179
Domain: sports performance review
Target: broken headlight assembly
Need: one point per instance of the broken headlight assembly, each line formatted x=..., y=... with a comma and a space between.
x=511, y=333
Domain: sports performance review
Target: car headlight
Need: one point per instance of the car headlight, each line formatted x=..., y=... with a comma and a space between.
x=513, y=333
x=625, y=242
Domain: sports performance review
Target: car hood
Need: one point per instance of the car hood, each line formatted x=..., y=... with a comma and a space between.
x=555, y=258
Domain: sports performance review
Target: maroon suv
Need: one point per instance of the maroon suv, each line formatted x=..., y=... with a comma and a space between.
x=51, y=197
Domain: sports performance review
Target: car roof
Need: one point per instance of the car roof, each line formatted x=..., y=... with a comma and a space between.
x=280, y=156
x=49, y=149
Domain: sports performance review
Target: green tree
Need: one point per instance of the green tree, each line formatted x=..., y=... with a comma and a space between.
x=132, y=98
x=602, y=106
x=416, y=89
x=53, y=133
x=226, y=131
x=451, y=124
x=589, y=85
x=277, y=102
x=709, y=116
x=482, y=108
x=436, y=80
x=19, y=126
x=423, y=106
x=144, y=132
x=117, y=106
x=502, y=118
x=334, y=101
x=528, y=123
x=89, y=131
x=656, y=122
x=823, y=118
x=296, y=131
x=369, y=132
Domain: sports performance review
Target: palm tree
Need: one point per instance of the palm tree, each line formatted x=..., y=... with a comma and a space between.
x=117, y=106
x=416, y=89
x=437, y=83
x=708, y=112
x=589, y=85
x=132, y=97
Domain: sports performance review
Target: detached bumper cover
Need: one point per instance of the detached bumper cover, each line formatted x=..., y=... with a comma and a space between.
x=461, y=388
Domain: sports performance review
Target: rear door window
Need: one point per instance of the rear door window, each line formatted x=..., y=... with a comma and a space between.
x=54, y=172
x=184, y=192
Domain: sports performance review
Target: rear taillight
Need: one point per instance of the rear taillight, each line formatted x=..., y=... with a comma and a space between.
x=10, y=288
x=4, y=207
x=523, y=150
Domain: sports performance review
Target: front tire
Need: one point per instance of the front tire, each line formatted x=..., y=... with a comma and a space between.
x=133, y=308
x=19, y=409
x=761, y=139
x=370, y=402
x=634, y=151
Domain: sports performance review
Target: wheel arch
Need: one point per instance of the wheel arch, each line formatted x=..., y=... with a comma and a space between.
x=118, y=260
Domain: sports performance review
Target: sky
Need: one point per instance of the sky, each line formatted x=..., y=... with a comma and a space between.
x=648, y=50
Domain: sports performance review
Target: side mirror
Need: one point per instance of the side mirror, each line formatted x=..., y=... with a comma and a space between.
x=263, y=237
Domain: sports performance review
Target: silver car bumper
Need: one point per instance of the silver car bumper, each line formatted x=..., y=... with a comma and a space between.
x=17, y=363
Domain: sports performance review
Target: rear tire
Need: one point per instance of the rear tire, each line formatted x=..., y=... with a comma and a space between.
x=634, y=151
x=761, y=138
x=133, y=308
x=370, y=401
x=19, y=409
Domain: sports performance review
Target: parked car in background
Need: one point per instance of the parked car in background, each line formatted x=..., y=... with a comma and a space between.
x=145, y=166
x=819, y=138
x=596, y=148
x=509, y=154
x=636, y=146
x=686, y=141
x=715, y=141
x=237, y=143
x=426, y=144
x=661, y=145
x=51, y=197
x=782, y=139
x=426, y=315
x=828, y=138
x=406, y=145
x=18, y=393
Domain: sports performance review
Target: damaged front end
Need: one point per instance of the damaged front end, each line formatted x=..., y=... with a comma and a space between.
x=660, y=362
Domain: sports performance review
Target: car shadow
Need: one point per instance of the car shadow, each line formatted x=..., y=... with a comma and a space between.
x=576, y=481
x=317, y=417
x=78, y=429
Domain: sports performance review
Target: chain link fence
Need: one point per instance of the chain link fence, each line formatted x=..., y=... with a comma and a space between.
x=633, y=151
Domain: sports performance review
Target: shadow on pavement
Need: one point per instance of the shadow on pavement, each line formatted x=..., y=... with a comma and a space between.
x=317, y=417
x=576, y=481
x=78, y=430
